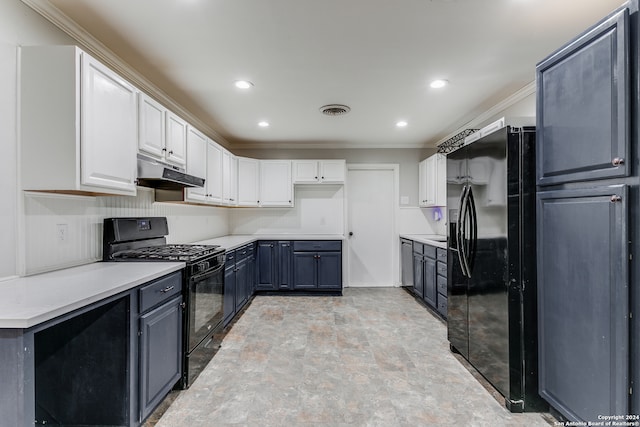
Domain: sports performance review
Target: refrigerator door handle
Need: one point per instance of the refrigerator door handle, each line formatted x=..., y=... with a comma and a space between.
x=459, y=221
x=473, y=238
x=462, y=231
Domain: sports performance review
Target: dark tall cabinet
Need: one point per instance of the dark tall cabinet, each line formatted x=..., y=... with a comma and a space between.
x=587, y=220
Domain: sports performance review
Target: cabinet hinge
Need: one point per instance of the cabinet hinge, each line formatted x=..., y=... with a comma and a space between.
x=139, y=333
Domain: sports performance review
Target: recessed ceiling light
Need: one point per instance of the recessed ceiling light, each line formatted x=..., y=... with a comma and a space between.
x=437, y=84
x=263, y=124
x=243, y=84
x=402, y=124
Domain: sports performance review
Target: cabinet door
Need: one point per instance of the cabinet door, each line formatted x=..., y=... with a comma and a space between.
x=429, y=278
x=108, y=130
x=214, y=173
x=229, y=178
x=266, y=253
x=241, y=284
x=329, y=270
x=229, y=304
x=332, y=171
x=305, y=171
x=422, y=183
x=441, y=180
x=406, y=257
x=418, y=275
x=197, y=163
x=430, y=180
x=151, y=126
x=305, y=268
x=248, y=181
x=284, y=265
x=583, y=301
x=160, y=353
x=176, y=146
x=583, y=106
x=276, y=187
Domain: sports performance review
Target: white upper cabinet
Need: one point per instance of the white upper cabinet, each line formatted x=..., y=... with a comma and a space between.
x=176, y=137
x=276, y=185
x=319, y=171
x=197, y=164
x=229, y=179
x=432, y=185
x=161, y=133
x=78, y=124
x=248, y=181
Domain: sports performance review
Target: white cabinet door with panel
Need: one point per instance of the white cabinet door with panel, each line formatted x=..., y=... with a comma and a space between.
x=197, y=164
x=229, y=179
x=276, y=185
x=176, y=139
x=248, y=181
x=151, y=126
x=432, y=186
x=318, y=171
x=78, y=124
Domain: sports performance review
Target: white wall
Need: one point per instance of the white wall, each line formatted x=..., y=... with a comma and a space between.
x=318, y=209
x=28, y=222
x=83, y=218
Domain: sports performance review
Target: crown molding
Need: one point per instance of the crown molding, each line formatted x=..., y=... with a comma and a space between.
x=516, y=97
x=98, y=50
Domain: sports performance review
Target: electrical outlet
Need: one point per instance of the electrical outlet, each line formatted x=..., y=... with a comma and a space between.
x=63, y=231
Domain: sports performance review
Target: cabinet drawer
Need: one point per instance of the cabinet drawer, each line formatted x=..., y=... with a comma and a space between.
x=441, y=254
x=317, y=245
x=442, y=269
x=243, y=252
x=230, y=258
x=442, y=286
x=442, y=305
x=429, y=251
x=162, y=289
x=418, y=248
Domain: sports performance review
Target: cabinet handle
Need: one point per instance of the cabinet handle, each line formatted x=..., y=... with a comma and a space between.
x=164, y=149
x=171, y=152
x=617, y=161
x=315, y=177
x=322, y=177
x=615, y=198
x=167, y=289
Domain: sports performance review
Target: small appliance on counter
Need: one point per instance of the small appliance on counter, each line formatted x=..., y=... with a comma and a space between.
x=144, y=239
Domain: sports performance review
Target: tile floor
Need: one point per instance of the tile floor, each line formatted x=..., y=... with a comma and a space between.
x=373, y=357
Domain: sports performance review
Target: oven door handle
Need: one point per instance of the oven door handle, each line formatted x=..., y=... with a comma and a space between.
x=204, y=275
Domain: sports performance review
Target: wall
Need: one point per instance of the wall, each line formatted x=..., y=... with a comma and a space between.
x=19, y=25
x=318, y=209
x=82, y=218
x=29, y=241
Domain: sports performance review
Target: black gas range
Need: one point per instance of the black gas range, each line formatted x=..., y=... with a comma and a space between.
x=144, y=240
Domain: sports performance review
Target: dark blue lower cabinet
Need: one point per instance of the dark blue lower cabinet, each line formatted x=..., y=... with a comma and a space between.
x=241, y=271
x=329, y=270
x=266, y=263
x=317, y=265
x=305, y=270
x=229, y=305
x=283, y=272
x=160, y=353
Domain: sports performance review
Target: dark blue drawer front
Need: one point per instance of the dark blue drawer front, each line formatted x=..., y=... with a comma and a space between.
x=317, y=245
x=160, y=290
x=230, y=258
x=429, y=251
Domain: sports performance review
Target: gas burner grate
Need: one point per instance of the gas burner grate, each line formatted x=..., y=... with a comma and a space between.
x=171, y=252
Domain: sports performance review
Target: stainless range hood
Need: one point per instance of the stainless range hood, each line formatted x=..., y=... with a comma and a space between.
x=156, y=174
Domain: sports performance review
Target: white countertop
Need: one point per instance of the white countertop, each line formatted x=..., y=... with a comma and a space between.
x=235, y=241
x=28, y=301
x=429, y=239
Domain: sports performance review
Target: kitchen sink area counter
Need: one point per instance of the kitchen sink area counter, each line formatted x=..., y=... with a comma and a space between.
x=29, y=301
x=437, y=240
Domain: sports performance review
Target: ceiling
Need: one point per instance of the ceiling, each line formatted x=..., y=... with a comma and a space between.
x=376, y=56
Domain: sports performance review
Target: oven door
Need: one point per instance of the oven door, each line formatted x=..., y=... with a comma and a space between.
x=204, y=304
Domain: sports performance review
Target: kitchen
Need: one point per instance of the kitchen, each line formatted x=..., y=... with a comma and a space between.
x=33, y=243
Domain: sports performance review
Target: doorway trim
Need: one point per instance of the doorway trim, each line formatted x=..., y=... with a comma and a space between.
x=395, y=254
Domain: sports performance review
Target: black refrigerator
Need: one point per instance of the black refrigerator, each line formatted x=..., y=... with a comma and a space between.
x=491, y=280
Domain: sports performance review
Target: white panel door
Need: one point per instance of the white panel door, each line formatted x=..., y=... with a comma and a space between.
x=197, y=163
x=248, y=181
x=151, y=127
x=176, y=144
x=108, y=132
x=276, y=185
x=371, y=206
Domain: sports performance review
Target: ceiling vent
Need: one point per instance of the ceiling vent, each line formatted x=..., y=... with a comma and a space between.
x=334, y=109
